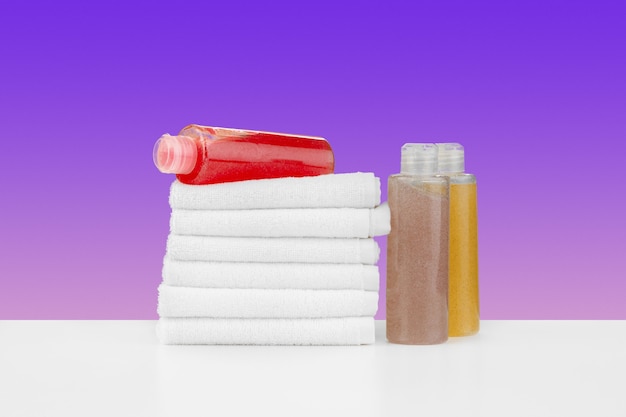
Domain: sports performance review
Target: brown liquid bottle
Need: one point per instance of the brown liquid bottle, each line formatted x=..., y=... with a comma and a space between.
x=417, y=250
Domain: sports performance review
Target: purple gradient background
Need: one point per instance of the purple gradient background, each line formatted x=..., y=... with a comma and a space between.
x=536, y=91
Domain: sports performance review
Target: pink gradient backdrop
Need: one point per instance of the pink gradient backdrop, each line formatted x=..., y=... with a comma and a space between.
x=535, y=91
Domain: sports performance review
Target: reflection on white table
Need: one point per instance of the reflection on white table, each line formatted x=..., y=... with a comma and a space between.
x=116, y=368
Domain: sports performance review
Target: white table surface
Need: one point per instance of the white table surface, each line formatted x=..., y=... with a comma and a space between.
x=116, y=368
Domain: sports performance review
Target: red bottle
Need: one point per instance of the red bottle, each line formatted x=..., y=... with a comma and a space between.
x=208, y=155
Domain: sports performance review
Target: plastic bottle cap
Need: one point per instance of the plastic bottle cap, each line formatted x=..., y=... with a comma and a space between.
x=419, y=158
x=175, y=154
x=451, y=157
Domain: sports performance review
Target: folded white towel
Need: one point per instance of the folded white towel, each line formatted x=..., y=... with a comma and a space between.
x=264, y=303
x=320, y=222
x=273, y=249
x=270, y=275
x=355, y=190
x=209, y=331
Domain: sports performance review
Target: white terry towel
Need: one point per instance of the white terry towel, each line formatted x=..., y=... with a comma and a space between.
x=264, y=303
x=303, y=222
x=355, y=190
x=273, y=249
x=270, y=275
x=210, y=331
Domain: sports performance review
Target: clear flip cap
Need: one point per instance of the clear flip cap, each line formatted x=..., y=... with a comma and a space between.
x=451, y=157
x=419, y=158
x=175, y=154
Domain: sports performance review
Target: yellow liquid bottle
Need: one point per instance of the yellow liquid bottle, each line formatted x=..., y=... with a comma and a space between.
x=463, y=297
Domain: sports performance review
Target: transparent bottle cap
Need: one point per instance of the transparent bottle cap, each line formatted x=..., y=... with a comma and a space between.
x=175, y=154
x=419, y=158
x=451, y=157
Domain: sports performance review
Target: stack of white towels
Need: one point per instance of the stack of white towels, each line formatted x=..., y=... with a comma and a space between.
x=286, y=261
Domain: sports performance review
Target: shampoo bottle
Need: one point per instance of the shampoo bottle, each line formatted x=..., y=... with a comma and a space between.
x=463, y=308
x=417, y=250
x=207, y=155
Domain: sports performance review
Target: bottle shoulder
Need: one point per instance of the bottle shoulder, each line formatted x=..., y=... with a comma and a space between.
x=461, y=178
x=419, y=179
